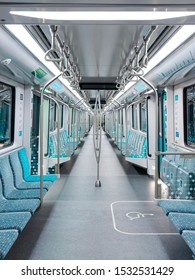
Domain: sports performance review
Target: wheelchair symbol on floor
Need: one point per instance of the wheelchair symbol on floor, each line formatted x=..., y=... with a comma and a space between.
x=137, y=215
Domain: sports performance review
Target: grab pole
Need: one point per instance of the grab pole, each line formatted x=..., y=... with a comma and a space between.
x=41, y=135
x=97, y=135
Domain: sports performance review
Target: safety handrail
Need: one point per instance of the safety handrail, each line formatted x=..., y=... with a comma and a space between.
x=148, y=140
x=156, y=177
x=57, y=127
x=41, y=134
x=97, y=134
x=175, y=153
x=53, y=49
x=145, y=58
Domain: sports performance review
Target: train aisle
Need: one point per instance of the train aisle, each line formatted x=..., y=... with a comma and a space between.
x=117, y=221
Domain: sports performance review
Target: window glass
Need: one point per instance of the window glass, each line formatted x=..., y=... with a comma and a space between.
x=6, y=115
x=143, y=117
x=134, y=117
x=190, y=116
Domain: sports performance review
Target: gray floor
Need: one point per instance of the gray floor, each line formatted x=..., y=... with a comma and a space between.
x=117, y=221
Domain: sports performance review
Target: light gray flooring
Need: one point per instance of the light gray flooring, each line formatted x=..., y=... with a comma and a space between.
x=117, y=221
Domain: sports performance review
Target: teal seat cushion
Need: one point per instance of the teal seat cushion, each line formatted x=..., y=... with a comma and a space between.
x=183, y=221
x=26, y=169
x=9, y=190
x=7, y=239
x=28, y=205
x=183, y=206
x=18, y=175
x=14, y=220
x=189, y=237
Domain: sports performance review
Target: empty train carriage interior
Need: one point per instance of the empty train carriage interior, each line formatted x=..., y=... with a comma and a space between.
x=97, y=130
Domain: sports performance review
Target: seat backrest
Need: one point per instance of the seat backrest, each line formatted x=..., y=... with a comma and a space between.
x=144, y=147
x=1, y=191
x=24, y=163
x=6, y=174
x=16, y=168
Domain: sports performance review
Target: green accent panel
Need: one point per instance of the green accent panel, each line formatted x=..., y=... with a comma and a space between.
x=39, y=73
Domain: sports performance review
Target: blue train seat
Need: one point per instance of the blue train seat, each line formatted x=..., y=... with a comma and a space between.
x=180, y=206
x=7, y=239
x=189, y=237
x=19, y=182
x=17, y=220
x=53, y=147
x=136, y=145
x=28, y=205
x=9, y=189
x=66, y=142
x=26, y=169
x=178, y=173
x=183, y=221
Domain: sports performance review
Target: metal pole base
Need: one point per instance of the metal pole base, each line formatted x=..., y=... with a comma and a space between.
x=98, y=183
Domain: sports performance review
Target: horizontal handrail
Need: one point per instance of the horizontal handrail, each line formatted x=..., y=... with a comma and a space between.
x=175, y=153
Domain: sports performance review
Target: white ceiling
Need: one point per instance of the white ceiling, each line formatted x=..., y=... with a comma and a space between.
x=99, y=49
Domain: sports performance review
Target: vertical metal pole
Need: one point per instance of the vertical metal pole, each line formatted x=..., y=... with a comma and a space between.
x=113, y=123
x=97, y=134
x=41, y=136
x=58, y=138
x=121, y=128
x=116, y=126
x=68, y=132
x=100, y=137
x=58, y=132
x=73, y=127
x=126, y=130
x=157, y=186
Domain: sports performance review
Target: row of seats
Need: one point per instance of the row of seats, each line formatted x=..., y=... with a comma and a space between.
x=136, y=146
x=182, y=215
x=66, y=146
x=19, y=196
x=178, y=173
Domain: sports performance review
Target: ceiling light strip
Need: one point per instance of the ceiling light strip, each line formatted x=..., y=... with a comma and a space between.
x=104, y=15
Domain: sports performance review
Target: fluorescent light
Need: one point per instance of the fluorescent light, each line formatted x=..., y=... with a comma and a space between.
x=103, y=15
x=183, y=34
x=26, y=39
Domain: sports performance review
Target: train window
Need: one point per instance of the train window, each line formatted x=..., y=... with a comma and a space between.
x=52, y=116
x=190, y=116
x=134, y=117
x=7, y=101
x=143, y=117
